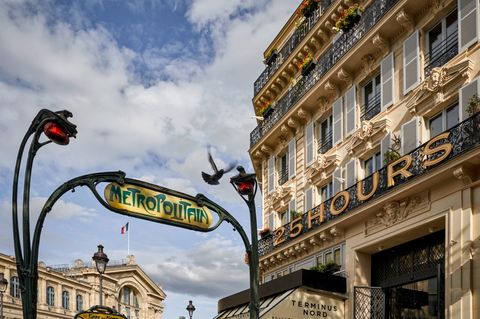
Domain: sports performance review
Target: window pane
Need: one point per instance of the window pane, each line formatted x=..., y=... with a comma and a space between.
x=368, y=167
x=328, y=257
x=378, y=161
x=434, y=38
x=436, y=125
x=453, y=116
x=319, y=260
x=337, y=257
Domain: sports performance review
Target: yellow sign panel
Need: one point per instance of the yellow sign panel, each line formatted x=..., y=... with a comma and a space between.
x=98, y=316
x=153, y=204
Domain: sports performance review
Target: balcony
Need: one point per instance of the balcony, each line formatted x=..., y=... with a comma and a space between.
x=325, y=63
x=442, y=53
x=290, y=45
x=463, y=138
x=325, y=143
x=372, y=108
x=283, y=177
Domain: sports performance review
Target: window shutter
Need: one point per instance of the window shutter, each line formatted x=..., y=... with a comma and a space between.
x=309, y=143
x=291, y=208
x=337, y=121
x=466, y=94
x=309, y=199
x=411, y=69
x=410, y=136
x=292, y=156
x=337, y=181
x=468, y=23
x=386, y=78
x=351, y=109
x=384, y=146
x=350, y=174
x=271, y=174
x=271, y=222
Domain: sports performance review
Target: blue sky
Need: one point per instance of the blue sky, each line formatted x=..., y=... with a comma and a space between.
x=150, y=85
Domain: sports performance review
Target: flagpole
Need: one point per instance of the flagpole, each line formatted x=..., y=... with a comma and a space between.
x=128, y=240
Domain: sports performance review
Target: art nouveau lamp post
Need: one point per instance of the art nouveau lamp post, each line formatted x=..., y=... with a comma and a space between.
x=101, y=261
x=190, y=309
x=58, y=129
x=3, y=288
x=246, y=185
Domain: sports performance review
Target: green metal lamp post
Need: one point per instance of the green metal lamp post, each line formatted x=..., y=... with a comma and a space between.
x=101, y=261
x=58, y=129
x=246, y=186
x=3, y=288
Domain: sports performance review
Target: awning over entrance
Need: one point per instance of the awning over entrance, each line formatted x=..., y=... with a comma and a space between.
x=300, y=303
x=266, y=304
x=303, y=294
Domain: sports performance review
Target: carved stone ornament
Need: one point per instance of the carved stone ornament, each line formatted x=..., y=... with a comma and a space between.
x=292, y=123
x=432, y=87
x=322, y=167
x=302, y=114
x=331, y=87
x=344, y=76
x=398, y=211
x=266, y=149
x=405, y=20
x=322, y=34
x=280, y=197
x=368, y=132
x=465, y=174
x=368, y=62
x=380, y=42
x=285, y=130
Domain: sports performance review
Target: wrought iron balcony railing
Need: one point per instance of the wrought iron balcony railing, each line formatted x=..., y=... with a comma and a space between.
x=325, y=143
x=283, y=177
x=290, y=45
x=337, y=50
x=372, y=107
x=463, y=138
x=442, y=53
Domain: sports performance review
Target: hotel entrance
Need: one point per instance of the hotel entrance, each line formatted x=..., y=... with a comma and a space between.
x=407, y=282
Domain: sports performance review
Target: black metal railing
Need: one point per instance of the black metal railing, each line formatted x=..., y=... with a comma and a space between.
x=463, y=137
x=442, y=53
x=325, y=143
x=337, y=50
x=368, y=303
x=283, y=177
x=372, y=108
x=290, y=45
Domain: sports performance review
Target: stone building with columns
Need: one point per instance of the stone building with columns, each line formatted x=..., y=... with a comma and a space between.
x=367, y=148
x=65, y=290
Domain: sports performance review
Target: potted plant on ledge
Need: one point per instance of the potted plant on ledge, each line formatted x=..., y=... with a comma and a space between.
x=329, y=268
x=308, y=7
x=264, y=233
x=271, y=57
x=266, y=110
x=473, y=106
x=307, y=65
x=349, y=18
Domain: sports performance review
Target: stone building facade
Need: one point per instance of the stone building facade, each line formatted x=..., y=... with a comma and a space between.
x=65, y=290
x=367, y=147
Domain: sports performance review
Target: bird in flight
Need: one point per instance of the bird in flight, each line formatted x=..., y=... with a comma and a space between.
x=217, y=173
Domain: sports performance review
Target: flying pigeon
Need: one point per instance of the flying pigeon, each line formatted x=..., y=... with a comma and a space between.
x=217, y=174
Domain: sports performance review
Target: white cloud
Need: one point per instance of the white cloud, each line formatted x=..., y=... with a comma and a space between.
x=196, y=270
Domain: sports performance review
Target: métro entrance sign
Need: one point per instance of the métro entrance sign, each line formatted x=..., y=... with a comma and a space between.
x=139, y=199
x=121, y=195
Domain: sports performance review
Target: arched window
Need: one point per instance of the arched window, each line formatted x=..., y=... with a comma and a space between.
x=50, y=296
x=129, y=302
x=14, y=287
x=79, y=302
x=65, y=300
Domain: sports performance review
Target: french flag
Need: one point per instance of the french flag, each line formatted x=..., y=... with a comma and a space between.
x=124, y=229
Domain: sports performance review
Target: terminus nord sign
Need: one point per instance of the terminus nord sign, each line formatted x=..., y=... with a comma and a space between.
x=458, y=140
x=159, y=204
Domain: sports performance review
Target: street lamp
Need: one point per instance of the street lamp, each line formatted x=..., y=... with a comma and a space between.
x=58, y=129
x=190, y=309
x=246, y=186
x=101, y=261
x=3, y=288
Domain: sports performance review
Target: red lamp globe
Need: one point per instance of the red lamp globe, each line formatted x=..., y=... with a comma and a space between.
x=246, y=188
x=56, y=133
